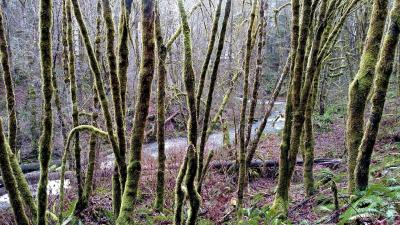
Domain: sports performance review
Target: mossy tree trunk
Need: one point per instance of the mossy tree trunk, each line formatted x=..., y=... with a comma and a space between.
x=207, y=59
x=10, y=182
x=93, y=139
x=288, y=147
x=45, y=142
x=99, y=87
x=308, y=138
x=161, y=72
x=75, y=112
x=123, y=50
x=213, y=80
x=189, y=167
x=252, y=147
x=141, y=112
x=256, y=82
x=383, y=72
x=243, y=110
x=8, y=83
x=360, y=86
x=116, y=96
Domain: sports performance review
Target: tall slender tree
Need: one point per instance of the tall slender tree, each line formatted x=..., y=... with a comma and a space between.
x=161, y=72
x=45, y=24
x=213, y=79
x=243, y=110
x=141, y=112
x=189, y=166
x=8, y=83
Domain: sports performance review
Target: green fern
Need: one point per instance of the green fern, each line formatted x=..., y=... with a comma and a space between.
x=377, y=201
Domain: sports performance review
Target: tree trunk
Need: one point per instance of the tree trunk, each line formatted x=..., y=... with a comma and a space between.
x=242, y=123
x=45, y=21
x=10, y=182
x=361, y=85
x=259, y=71
x=213, y=80
x=8, y=83
x=288, y=146
x=190, y=158
x=141, y=112
x=383, y=71
x=162, y=72
x=207, y=59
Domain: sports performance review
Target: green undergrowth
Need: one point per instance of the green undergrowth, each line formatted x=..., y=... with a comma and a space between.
x=333, y=112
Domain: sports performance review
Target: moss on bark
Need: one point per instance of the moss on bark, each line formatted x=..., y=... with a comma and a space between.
x=213, y=80
x=99, y=87
x=141, y=112
x=361, y=85
x=116, y=96
x=123, y=50
x=207, y=59
x=256, y=83
x=75, y=112
x=189, y=80
x=10, y=182
x=243, y=110
x=45, y=142
x=93, y=139
x=162, y=72
x=8, y=83
x=287, y=146
x=383, y=72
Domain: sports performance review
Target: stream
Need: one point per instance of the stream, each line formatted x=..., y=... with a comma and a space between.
x=215, y=141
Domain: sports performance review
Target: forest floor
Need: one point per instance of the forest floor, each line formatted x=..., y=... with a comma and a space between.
x=219, y=189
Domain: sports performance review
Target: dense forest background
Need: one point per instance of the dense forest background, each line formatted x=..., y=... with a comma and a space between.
x=200, y=112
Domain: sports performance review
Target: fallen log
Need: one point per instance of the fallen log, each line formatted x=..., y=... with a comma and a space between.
x=35, y=166
x=223, y=164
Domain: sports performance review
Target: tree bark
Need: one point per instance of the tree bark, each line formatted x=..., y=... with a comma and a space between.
x=8, y=83
x=242, y=123
x=10, y=182
x=141, y=112
x=383, y=72
x=360, y=86
x=45, y=25
x=213, y=80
